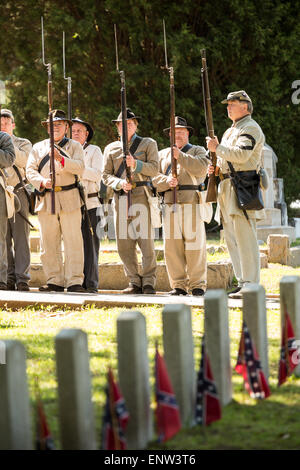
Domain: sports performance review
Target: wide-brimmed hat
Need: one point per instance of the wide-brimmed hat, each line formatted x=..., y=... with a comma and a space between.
x=238, y=96
x=179, y=123
x=58, y=115
x=7, y=113
x=87, y=125
x=130, y=115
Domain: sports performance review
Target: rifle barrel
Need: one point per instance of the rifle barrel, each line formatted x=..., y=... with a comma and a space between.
x=69, y=85
x=172, y=117
x=50, y=116
x=211, y=195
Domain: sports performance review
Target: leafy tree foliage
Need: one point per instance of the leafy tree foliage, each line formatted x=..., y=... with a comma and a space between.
x=251, y=45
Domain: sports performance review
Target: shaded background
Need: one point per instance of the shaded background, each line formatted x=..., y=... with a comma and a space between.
x=251, y=45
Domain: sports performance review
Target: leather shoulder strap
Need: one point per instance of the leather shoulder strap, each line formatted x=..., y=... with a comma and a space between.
x=132, y=150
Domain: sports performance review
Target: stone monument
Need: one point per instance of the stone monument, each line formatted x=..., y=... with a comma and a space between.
x=276, y=221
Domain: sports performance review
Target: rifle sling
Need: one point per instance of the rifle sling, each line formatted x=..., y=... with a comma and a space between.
x=184, y=149
x=46, y=158
x=181, y=187
x=132, y=150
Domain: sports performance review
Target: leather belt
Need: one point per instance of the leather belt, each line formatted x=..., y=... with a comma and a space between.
x=224, y=176
x=92, y=195
x=134, y=185
x=57, y=189
x=188, y=187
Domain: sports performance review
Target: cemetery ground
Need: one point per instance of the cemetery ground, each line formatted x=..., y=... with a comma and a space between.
x=246, y=424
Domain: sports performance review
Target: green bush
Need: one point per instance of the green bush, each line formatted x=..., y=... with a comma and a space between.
x=251, y=45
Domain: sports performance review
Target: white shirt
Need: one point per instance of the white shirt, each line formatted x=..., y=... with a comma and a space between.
x=92, y=174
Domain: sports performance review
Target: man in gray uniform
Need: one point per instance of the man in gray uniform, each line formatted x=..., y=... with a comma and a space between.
x=184, y=231
x=143, y=161
x=18, y=248
x=65, y=224
x=7, y=158
x=241, y=146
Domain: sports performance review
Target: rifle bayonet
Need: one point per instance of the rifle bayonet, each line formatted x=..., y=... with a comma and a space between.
x=69, y=85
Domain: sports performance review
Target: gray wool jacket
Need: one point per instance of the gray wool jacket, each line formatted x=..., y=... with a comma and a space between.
x=7, y=151
x=7, y=158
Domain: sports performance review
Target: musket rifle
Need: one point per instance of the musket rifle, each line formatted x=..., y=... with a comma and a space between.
x=172, y=118
x=211, y=195
x=51, y=129
x=124, y=127
x=69, y=85
x=2, y=97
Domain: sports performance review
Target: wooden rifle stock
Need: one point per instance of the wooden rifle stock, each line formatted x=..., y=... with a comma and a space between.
x=125, y=141
x=51, y=137
x=50, y=118
x=172, y=133
x=211, y=195
x=52, y=162
x=172, y=118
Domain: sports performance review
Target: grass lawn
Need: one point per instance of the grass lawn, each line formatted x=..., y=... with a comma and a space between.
x=245, y=424
x=270, y=424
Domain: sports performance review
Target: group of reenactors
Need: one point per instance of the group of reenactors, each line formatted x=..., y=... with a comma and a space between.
x=77, y=161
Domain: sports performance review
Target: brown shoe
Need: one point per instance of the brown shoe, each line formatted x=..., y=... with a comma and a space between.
x=92, y=290
x=177, y=291
x=148, y=290
x=51, y=288
x=132, y=289
x=23, y=286
x=11, y=286
x=198, y=292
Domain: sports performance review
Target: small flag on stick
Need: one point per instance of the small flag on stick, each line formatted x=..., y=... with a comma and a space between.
x=44, y=440
x=248, y=365
x=167, y=411
x=115, y=417
x=286, y=363
x=208, y=407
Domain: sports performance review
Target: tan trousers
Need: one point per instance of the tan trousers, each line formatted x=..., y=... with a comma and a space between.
x=185, y=247
x=64, y=226
x=129, y=234
x=241, y=241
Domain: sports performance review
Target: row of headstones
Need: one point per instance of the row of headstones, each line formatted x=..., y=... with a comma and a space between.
x=76, y=415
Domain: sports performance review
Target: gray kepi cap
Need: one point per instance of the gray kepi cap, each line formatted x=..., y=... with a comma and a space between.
x=237, y=96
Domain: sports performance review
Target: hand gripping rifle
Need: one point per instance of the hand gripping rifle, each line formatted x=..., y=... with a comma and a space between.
x=172, y=119
x=69, y=85
x=124, y=128
x=211, y=195
x=51, y=130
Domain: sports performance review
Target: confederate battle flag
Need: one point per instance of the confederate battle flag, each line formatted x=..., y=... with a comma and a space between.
x=167, y=411
x=208, y=408
x=115, y=417
x=286, y=364
x=44, y=439
x=248, y=365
